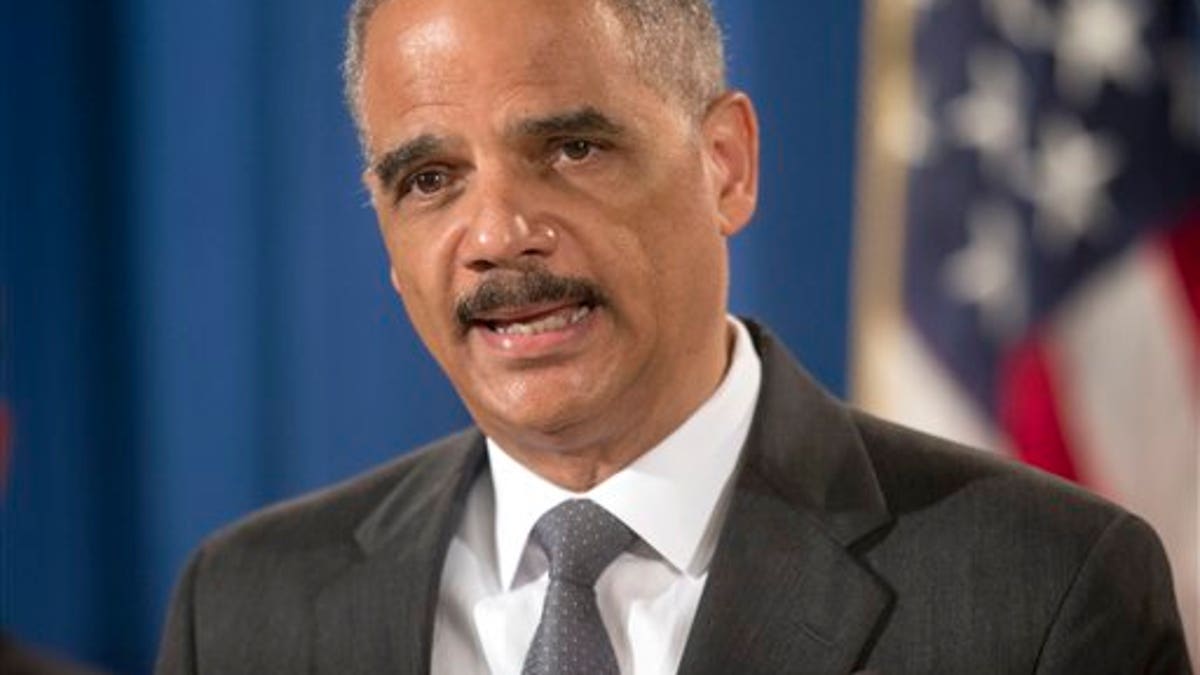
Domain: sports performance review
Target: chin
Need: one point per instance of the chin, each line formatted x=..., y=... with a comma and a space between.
x=550, y=420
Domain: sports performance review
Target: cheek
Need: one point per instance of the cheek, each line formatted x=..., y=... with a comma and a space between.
x=420, y=275
x=422, y=255
x=675, y=234
x=687, y=254
x=648, y=254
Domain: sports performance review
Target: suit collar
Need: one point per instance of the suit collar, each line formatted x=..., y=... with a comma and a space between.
x=805, y=444
x=437, y=483
x=783, y=588
x=786, y=592
x=378, y=614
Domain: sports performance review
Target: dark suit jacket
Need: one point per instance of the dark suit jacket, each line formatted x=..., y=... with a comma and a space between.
x=850, y=544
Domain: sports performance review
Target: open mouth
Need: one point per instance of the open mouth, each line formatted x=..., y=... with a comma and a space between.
x=538, y=322
x=514, y=308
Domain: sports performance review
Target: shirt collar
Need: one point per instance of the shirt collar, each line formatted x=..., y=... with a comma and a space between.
x=671, y=496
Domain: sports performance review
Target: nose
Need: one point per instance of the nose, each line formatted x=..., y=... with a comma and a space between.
x=504, y=233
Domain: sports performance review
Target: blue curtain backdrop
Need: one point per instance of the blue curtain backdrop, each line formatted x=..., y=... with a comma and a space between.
x=195, y=310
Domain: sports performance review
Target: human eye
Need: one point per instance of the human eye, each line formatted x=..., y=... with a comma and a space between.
x=577, y=150
x=426, y=183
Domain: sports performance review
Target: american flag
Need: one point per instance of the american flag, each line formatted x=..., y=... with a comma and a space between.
x=1045, y=299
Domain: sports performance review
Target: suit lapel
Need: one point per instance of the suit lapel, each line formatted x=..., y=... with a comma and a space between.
x=377, y=616
x=785, y=592
x=781, y=597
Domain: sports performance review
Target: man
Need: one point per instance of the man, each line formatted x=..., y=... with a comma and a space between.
x=555, y=183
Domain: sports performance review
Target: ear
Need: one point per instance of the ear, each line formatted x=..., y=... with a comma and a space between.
x=371, y=181
x=730, y=131
x=395, y=280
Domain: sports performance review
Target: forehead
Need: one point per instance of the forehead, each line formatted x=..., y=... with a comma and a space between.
x=421, y=54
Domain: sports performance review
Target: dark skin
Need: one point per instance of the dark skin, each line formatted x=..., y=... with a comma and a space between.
x=505, y=139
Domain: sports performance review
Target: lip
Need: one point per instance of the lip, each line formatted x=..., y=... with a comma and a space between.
x=525, y=312
x=558, y=342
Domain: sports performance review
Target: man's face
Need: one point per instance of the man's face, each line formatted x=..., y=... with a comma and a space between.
x=555, y=226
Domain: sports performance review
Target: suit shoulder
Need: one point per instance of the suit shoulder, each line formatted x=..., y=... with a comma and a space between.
x=985, y=551
x=276, y=562
x=929, y=477
x=329, y=516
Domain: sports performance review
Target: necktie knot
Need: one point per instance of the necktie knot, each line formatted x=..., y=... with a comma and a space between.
x=580, y=538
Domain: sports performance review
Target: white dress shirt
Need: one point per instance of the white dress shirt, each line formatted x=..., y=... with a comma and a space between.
x=674, y=497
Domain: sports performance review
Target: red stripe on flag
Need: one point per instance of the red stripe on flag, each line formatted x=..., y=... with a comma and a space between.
x=1029, y=410
x=1183, y=247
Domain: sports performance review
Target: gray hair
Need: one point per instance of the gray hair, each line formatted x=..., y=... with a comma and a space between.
x=676, y=45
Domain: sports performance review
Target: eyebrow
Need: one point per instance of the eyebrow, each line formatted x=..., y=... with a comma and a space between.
x=400, y=158
x=586, y=120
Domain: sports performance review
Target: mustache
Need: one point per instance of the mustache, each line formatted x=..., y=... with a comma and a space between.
x=526, y=287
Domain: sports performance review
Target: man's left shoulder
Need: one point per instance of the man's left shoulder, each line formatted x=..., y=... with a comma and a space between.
x=1009, y=524
x=1016, y=564
x=948, y=487
x=918, y=471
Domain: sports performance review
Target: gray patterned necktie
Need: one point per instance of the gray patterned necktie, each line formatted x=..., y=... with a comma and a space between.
x=580, y=538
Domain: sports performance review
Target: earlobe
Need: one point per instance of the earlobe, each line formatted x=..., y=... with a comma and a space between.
x=731, y=140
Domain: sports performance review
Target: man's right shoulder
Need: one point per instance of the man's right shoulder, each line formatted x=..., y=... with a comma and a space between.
x=246, y=599
x=328, y=519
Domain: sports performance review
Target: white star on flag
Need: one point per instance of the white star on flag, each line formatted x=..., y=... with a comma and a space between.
x=987, y=272
x=990, y=116
x=1073, y=168
x=1100, y=41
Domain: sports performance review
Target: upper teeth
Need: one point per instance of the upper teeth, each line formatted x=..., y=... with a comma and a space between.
x=555, y=321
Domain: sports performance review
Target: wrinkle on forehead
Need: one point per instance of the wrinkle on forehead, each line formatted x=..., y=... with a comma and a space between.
x=532, y=35
x=418, y=52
